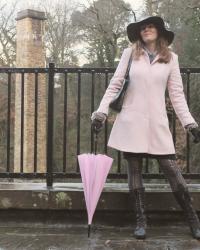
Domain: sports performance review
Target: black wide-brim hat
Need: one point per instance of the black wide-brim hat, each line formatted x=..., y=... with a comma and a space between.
x=133, y=29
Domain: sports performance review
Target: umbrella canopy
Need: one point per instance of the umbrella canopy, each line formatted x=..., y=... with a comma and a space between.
x=94, y=170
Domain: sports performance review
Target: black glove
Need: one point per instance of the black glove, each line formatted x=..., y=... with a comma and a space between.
x=194, y=130
x=196, y=134
x=98, y=119
x=97, y=126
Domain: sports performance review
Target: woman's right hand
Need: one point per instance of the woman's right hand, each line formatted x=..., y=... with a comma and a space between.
x=98, y=119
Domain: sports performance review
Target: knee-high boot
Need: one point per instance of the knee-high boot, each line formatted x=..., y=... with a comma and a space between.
x=138, y=197
x=183, y=197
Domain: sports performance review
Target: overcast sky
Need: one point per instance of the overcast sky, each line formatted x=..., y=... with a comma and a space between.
x=137, y=5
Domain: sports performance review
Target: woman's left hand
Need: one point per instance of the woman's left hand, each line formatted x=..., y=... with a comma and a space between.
x=196, y=134
x=195, y=131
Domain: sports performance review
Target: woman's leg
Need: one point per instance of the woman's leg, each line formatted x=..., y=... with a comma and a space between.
x=181, y=193
x=137, y=192
x=134, y=170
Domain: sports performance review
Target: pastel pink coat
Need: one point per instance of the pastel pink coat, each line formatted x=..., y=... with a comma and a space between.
x=142, y=126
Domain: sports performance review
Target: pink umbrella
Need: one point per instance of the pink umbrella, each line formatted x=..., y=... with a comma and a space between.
x=94, y=169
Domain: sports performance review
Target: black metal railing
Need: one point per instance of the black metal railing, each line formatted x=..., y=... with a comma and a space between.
x=7, y=74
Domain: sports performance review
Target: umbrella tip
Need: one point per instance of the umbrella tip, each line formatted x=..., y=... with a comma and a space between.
x=89, y=230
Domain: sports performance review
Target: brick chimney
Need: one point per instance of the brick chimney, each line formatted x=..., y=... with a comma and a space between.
x=30, y=53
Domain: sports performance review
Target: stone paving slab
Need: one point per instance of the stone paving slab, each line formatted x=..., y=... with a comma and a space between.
x=74, y=237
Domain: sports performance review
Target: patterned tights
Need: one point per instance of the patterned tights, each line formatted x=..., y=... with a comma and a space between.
x=169, y=167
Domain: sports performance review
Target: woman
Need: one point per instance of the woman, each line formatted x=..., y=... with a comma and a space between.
x=141, y=129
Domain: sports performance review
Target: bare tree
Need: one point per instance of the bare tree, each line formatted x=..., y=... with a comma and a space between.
x=60, y=35
x=103, y=27
x=7, y=34
x=151, y=7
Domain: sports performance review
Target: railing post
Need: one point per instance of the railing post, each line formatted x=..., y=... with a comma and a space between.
x=49, y=178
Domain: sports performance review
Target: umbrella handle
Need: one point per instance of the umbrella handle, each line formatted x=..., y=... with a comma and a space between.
x=95, y=143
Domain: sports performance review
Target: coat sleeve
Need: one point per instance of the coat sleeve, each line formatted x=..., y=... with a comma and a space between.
x=176, y=94
x=115, y=82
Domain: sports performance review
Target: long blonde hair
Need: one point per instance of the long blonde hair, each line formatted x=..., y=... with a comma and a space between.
x=161, y=46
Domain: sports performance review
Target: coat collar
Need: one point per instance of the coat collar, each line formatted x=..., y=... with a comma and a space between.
x=149, y=52
x=146, y=55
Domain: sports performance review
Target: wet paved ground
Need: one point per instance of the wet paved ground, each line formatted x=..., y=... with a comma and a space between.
x=74, y=237
x=34, y=229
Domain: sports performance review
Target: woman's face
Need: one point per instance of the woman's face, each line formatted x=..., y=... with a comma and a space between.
x=148, y=33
